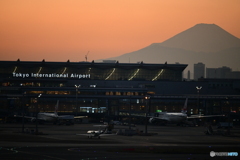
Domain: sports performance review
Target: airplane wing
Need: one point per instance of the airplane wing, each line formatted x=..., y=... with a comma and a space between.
x=79, y=117
x=66, y=117
x=158, y=120
x=32, y=119
x=27, y=117
x=82, y=134
x=104, y=126
x=203, y=116
x=23, y=117
x=101, y=135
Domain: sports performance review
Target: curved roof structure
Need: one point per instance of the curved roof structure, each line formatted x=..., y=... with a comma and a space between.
x=91, y=70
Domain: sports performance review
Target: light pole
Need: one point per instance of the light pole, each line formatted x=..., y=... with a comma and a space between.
x=198, y=90
x=23, y=106
x=37, y=113
x=130, y=116
x=77, y=86
x=147, y=98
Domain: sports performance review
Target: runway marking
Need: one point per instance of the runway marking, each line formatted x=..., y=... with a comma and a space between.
x=12, y=150
x=17, y=151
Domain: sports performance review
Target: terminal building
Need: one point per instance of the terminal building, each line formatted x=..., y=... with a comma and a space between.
x=109, y=89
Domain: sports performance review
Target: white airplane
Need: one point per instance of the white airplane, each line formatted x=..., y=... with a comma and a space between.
x=176, y=117
x=92, y=133
x=49, y=117
x=53, y=116
x=97, y=133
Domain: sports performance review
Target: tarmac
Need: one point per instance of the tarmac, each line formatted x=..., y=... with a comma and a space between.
x=61, y=142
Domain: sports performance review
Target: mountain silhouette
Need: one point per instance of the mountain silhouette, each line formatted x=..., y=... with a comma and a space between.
x=203, y=38
x=206, y=43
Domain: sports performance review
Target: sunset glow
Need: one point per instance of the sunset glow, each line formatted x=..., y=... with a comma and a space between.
x=61, y=30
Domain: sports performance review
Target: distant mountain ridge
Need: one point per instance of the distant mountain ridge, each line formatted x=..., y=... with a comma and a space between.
x=203, y=38
x=207, y=43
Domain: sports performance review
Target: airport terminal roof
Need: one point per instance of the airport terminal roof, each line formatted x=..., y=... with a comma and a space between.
x=91, y=64
x=93, y=70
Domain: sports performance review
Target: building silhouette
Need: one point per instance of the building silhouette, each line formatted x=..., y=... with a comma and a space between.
x=199, y=71
x=233, y=75
x=219, y=73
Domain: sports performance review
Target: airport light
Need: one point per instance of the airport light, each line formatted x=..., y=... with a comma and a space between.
x=77, y=86
x=130, y=115
x=198, y=88
x=147, y=99
x=198, y=91
x=23, y=104
x=39, y=95
x=37, y=113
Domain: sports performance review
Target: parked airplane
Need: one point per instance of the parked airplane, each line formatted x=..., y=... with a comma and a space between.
x=54, y=116
x=50, y=117
x=176, y=117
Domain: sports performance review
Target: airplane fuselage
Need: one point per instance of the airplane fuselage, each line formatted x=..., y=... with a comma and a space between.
x=47, y=116
x=175, y=117
x=169, y=117
x=93, y=133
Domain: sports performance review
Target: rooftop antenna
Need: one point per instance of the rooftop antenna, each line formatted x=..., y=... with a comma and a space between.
x=86, y=56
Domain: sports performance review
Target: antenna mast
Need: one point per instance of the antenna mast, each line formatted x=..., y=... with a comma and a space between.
x=86, y=56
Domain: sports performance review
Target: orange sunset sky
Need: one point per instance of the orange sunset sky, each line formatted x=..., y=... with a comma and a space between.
x=61, y=30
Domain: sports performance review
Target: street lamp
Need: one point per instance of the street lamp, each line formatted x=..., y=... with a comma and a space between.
x=39, y=95
x=77, y=86
x=147, y=98
x=130, y=115
x=198, y=90
x=37, y=113
x=23, y=105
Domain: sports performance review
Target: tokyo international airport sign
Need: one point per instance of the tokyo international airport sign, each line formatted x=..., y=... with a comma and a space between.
x=50, y=75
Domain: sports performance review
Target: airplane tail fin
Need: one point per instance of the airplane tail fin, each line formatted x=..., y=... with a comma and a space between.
x=184, y=109
x=56, y=108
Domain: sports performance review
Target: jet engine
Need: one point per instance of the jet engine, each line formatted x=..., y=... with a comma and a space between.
x=152, y=120
x=33, y=119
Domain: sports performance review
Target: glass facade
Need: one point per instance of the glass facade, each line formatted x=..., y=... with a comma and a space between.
x=105, y=89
